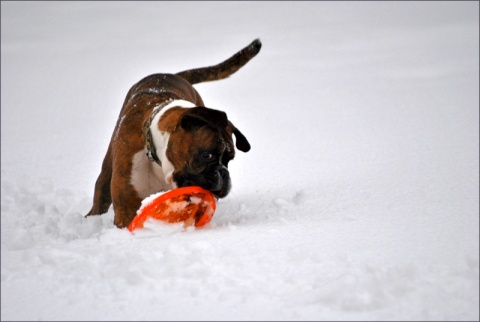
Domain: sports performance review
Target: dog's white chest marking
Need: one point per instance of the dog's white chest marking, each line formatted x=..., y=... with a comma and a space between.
x=148, y=177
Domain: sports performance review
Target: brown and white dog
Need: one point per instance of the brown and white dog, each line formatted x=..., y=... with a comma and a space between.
x=166, y=138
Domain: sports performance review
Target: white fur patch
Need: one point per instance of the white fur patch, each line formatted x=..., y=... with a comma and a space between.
x=147, y=177
x=160, y=138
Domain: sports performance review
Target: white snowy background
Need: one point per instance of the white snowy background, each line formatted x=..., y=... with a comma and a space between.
x=358, y=201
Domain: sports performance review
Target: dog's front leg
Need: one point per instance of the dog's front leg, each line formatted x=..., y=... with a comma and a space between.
x=125, y=198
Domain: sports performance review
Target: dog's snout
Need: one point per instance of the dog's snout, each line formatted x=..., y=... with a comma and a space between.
x=216, y=180
x=219, y=178
x=221, y=182
x=223, y=173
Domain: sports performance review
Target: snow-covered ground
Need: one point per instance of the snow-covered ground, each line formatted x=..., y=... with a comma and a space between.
x=358, y=201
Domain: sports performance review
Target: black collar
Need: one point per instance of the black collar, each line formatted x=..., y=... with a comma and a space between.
x=150, y=145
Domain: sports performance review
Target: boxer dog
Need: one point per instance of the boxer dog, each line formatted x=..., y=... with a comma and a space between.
x=165, y=138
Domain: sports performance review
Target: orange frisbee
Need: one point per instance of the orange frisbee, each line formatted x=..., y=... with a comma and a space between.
x=191, y=205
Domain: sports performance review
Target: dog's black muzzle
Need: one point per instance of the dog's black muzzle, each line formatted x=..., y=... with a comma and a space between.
x=215, y=179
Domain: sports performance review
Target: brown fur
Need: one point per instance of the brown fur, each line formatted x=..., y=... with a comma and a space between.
x=114, y=182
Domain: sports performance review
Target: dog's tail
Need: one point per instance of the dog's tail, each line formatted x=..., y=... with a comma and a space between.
x=224, y=69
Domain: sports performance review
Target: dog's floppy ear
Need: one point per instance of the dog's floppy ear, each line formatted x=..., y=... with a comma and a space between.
x=241, y=141
x=199, y=116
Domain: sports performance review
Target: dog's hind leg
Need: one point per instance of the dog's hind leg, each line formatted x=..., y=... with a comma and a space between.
x=102, y=198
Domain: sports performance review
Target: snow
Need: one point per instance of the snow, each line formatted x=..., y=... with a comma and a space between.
x=148, y=200
x=358, y=201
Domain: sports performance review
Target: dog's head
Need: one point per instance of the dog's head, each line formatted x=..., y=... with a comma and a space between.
x=200, y=148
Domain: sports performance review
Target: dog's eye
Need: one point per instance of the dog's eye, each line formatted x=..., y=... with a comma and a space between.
x=206, y=156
